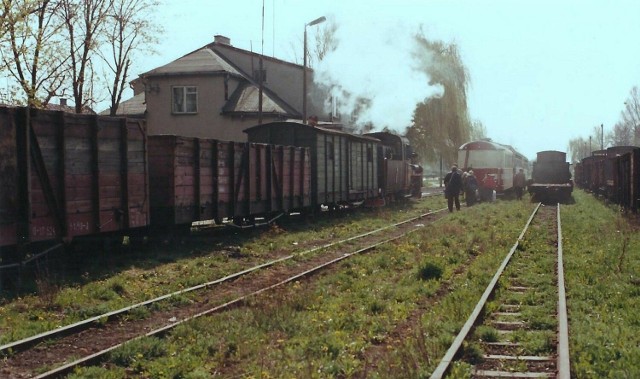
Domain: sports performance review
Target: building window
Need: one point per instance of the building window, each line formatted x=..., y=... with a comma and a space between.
x=369, y=154
x=185, y=99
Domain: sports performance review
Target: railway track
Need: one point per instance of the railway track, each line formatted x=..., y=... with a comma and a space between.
x=522, y=332
x=93, y=338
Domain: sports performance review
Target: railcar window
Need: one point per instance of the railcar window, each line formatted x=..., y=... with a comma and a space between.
x=184, y=99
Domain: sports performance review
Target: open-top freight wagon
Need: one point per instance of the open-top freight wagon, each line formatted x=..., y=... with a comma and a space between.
x=626, y=179
x=203, y=179
x=66, y=175
x=614, y=174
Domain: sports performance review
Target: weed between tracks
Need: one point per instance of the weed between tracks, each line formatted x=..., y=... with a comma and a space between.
x=67, y=296
x=374, y=316
x=383, y=314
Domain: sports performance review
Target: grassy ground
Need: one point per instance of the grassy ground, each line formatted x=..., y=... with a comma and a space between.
x=387, y=314
x=352, y=321
x=94, y=281
x=602, y=270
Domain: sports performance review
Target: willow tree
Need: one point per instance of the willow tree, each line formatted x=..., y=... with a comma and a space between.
x=440, y=125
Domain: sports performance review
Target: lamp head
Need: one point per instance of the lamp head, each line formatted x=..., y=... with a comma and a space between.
x=317, y=21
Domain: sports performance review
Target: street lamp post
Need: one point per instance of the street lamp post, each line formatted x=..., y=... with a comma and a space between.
x=304, y=67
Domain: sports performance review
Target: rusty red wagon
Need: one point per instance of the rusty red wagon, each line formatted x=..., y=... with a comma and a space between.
x=203, y=179
x=67, y=175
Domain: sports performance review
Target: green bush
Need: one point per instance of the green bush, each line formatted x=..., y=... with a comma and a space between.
x=429, y=271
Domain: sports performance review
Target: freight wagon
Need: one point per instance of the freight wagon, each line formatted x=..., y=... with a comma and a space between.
x=202, y=179
x=614, y=174
x=86, y=174
x=626, y=179
x=344, y=167
x=94, y=175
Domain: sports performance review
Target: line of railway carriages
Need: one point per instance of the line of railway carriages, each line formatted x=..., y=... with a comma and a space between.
x=614, y=174
x=67, y=175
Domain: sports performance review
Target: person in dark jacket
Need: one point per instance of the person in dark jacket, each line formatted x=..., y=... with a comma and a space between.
x=519, y=181
x=452, y=188
x=470, y=188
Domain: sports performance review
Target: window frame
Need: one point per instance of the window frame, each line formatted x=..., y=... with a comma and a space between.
x=185, y=90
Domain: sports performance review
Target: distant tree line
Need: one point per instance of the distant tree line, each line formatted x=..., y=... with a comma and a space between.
x=626, y=132
x=82, y=49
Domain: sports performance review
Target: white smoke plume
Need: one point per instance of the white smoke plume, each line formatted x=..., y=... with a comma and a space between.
x=379, y=62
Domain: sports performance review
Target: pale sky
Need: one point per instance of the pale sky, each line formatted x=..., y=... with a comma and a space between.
x=541, y=72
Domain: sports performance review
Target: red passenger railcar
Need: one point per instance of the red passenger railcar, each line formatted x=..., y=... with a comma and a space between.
x=493, y=164
x=66, y=175
x=202, y=179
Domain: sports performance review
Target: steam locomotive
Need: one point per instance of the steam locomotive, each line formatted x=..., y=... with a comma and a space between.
x=551, y=177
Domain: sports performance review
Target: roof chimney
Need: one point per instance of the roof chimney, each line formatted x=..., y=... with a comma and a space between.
x=222, y=39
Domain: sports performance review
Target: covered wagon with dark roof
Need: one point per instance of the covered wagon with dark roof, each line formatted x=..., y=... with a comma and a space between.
x=344, y=166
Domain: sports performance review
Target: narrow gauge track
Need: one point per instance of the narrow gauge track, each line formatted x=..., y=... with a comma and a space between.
x=93, y=338
x=524, y=331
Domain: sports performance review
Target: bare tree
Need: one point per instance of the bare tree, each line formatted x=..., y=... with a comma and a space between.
x=83, y=20
x=622, y=134
x=131, y=31
x=631, y=115
x=583, y=147
x=325, y=41
x=32, y=54
x=579, y=148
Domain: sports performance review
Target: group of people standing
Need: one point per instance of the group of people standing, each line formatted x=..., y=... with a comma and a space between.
x=456, y=183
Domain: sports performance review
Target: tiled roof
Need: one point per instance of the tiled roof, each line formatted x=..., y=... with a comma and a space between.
x=201, y=61
x=134, y=106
